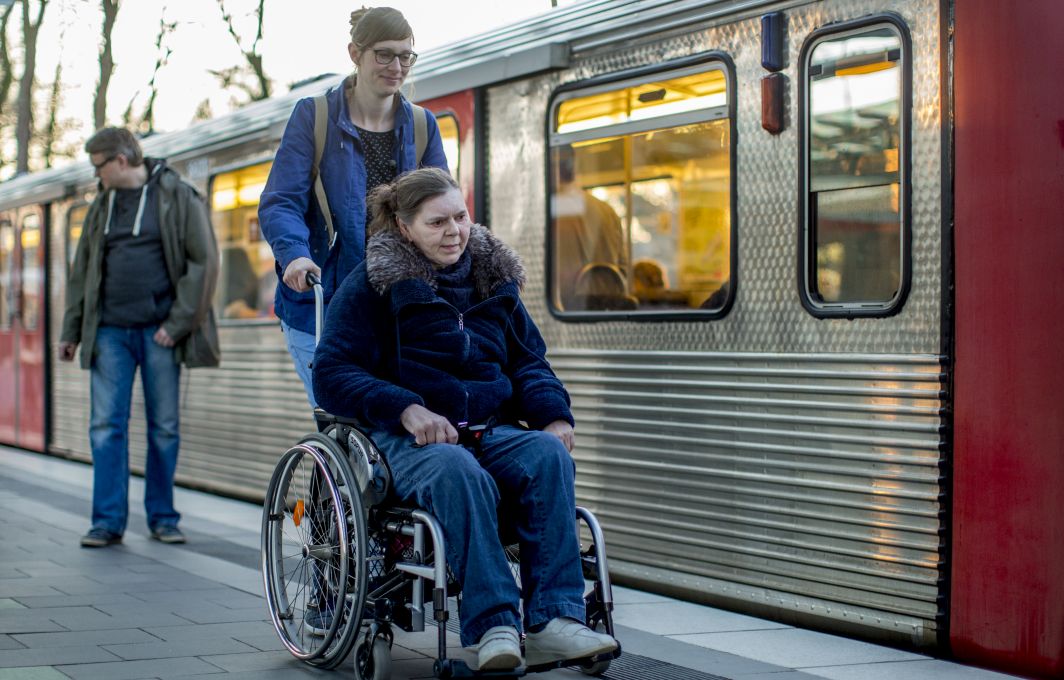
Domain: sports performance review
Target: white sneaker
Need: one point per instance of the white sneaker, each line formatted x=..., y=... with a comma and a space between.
x=499, y=649
x=564, y=639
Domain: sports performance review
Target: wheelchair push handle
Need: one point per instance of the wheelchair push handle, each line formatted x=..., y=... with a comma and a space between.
x=314, y=281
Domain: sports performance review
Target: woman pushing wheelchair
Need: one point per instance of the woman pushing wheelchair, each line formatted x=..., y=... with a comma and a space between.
x=427, y=336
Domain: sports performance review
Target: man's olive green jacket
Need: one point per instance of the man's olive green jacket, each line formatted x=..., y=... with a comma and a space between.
x=191, y=255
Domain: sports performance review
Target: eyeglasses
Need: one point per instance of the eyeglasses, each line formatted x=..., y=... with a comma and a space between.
x=104, y=161
x=385, y=57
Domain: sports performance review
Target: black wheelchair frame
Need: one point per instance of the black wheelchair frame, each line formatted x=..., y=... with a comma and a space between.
x=343, y=563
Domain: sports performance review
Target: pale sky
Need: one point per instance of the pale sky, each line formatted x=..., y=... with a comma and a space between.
x=302, y=38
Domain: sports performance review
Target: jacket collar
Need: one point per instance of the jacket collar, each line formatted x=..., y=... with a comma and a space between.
x=391, y=259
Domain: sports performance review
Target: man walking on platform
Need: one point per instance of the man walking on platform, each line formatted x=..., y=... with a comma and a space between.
x=139, y=294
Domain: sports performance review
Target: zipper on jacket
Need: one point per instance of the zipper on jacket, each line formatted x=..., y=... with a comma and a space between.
x=461, y=322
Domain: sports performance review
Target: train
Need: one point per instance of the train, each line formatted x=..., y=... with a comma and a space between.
x=795, y=260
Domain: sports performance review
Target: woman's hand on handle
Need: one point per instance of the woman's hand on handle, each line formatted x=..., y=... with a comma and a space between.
x=295, y=274
x=427, y=427
x=563, y=431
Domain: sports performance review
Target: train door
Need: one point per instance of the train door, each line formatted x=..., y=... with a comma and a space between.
x=455, y=116
x=22, y=327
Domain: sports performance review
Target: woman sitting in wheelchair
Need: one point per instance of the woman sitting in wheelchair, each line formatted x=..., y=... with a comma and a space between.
x=426, y=336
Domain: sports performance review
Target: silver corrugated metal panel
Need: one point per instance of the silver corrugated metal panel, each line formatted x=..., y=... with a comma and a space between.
x=797, y=482
x=768, y=461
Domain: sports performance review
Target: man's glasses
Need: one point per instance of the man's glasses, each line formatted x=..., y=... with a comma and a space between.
x=104, y=161
x=385, y=57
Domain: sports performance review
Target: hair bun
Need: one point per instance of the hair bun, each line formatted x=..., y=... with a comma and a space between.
x=357, y=15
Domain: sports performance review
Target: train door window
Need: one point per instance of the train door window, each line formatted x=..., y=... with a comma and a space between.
x=855, y=120
x=641, y=194
x=451, y=141
x=7, y=271
x=30, y=242
x=247, y=279
x=75, y=223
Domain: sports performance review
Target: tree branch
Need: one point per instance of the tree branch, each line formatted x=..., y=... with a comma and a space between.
x=107, y=64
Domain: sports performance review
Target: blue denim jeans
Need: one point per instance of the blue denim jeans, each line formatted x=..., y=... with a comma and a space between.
x=524, y=479
x=118, y=353
x=301, y=348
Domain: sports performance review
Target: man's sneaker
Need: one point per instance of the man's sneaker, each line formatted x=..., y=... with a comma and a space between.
x=317, y=621
x=499, y=649
x=99, y=538
x=167, y=533
x=563, y=639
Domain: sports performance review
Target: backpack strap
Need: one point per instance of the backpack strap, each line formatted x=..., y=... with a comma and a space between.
x=321, y=122
x=421, y=133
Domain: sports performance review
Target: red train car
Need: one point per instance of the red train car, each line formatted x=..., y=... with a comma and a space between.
x=1007, y=593
x=886, y=468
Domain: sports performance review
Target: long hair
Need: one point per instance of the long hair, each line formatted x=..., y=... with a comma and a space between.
x=403, y=197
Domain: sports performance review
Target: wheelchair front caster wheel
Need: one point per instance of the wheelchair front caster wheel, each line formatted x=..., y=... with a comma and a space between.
x=596, y=667
x=373, y=660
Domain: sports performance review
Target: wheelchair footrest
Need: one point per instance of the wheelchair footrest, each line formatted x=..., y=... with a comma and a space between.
x=456, y=668
x=585, y=661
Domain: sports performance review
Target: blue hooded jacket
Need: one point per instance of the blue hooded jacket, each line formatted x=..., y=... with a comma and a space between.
x=289, y=215
x=390, y=341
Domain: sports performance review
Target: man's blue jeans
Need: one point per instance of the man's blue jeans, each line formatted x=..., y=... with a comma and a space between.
x=526, y=478
x=118, y=353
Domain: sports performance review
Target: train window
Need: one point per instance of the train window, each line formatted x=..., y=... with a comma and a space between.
x=31, y=284
x=7, y=271
x=641, y=190
x=75, y=222
x=855, y=116
x=247, y=279
x=451, y=141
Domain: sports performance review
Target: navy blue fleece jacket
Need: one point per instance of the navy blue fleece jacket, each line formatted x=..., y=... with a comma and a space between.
x=390, y=341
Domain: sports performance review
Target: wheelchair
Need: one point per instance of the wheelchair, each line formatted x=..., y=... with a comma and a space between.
x=344, y=564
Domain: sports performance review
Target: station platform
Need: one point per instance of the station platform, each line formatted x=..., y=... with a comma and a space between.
x=143, y=609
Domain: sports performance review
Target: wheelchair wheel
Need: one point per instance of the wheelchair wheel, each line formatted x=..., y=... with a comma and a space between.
x=596, y=667
x=373, y=660
x=353, y=587
x=312, y=549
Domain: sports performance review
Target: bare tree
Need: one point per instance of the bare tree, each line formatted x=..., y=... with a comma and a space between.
x=24, y=125
x=145, y=123
x=7, y=77
x=228, y=76
x=107, y=64
x=57, y=127
x=7, y=72
x=203, y=111
x=162, y=56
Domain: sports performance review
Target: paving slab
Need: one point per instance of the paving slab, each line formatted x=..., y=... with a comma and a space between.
x=9, y=642
x=52, y=656
x=671, y=618
x=32, y=673
x=136, y=670
x=85, y=637
x=167, y=650
x=797, y=648
x=924, y=669
x=147, y=610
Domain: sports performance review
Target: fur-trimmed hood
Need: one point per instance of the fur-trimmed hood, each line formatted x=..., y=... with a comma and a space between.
x=390, y=258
